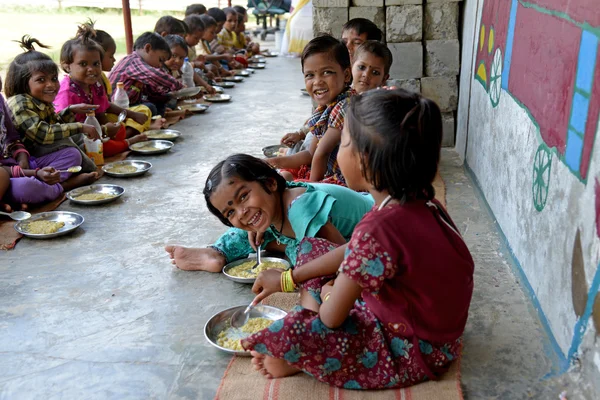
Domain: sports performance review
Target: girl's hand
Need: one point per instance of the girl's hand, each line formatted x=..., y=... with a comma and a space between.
x=273, y=162
x=112, y=129
x=267, y=282
x=138, y=117
x=210, y=89
x=82, y=108
x=48, y=175
x=91, y=132
x=290, y=139
x=255, y=239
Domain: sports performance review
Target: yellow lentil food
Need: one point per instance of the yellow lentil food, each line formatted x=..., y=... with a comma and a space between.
x=95, y=196
x=44, y=227
x=252, y=326
x=243, y=270
x=161, y=135
x=122, y=169
x=145, y=147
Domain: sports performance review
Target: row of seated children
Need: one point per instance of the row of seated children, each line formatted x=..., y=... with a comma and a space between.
x=330, y=81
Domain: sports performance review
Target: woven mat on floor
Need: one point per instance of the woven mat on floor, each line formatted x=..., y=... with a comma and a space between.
x=242, y=382
x=9, y=236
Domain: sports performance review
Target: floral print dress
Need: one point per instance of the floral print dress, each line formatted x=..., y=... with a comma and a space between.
x=380, y=344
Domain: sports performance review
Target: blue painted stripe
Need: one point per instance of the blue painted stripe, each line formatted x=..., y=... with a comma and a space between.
x=582, y=323
x=510, y=36
x=556, y=356
x=579, y=112
x=586, y=62
x=574, y=150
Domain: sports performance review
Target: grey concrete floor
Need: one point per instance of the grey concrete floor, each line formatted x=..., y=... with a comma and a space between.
x=102, y=314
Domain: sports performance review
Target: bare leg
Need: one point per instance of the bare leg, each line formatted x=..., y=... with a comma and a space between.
x=272, y=367
x=137, y=138
x=130, y=132
x=307, y=301
x=80, y=180
x=195, y=259
x=158, y=123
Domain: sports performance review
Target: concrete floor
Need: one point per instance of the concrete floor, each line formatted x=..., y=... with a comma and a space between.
x=102, y=314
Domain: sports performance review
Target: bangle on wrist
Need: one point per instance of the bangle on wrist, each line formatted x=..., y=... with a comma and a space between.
x=326, y=297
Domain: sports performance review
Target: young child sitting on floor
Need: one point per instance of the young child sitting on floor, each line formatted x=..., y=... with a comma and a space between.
x=179, y=52
x=139, y=118
x=169, y=25
x=192, y=38
x=246, y=193
x=399, y=303
x=30, y=180
x=228, y=36
x=81, y=59
x=212, y=61
x=358, y=30
x=31, y=87
x=141, y=75
x=244, y=40
x=216, y=47
x=326, y=67
x=371, y=66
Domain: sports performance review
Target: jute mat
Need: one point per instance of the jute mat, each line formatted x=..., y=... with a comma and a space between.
x=242, y=382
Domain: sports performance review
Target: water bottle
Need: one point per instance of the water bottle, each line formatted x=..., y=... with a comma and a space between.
x=94, y=148
x=187, y=70
x=120, y=97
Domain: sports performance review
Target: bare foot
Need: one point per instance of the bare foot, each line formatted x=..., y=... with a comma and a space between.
x=158, y=123
x=76, y=181
x=195, y=259
x=272, y=367
x=137, y=138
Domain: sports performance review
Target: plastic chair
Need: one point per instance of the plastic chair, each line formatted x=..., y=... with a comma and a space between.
x=268, y=9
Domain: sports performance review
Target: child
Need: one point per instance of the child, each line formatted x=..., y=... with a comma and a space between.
x=139, y=118
x=179, y=52
x=228, y=36
x=369, y=71
x=396, y=311
x=192, y=38
x=356, y=31
x=169, y=25
x=31, y=87
x=371, y=66
x=216, y=47
x=31, y=180
x=326, y=68
x=243, y=39
x=141, y=75
x=195, y=9
x=284, y=212
x=81, y=59
x=212, y=60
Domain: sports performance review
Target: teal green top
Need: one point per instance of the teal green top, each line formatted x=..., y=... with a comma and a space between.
x=308, y=213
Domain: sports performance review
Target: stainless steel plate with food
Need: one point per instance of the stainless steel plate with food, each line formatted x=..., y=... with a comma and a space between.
x=242, y=73
x=304, y=92
x=126, y=168
x=275, y=150
x=163, y=134
x=95, y=194
x=268, y=53
x=220, y=334
x=227, y=85
x=257, y=65
x=152, y=147
x=218, y=98
x=240, y=270
x=233, y=79
x=195, y=108
x=49, y=224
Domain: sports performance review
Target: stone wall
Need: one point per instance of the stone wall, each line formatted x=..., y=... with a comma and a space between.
x=423, y=37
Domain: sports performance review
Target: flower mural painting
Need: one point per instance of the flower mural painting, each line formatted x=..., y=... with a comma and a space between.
x=544, y=55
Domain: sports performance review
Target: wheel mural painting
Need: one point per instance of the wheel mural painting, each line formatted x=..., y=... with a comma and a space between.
x=542, y=165
x=496, y=78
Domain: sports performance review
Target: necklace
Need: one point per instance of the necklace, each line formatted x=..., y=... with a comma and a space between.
x=280, y=232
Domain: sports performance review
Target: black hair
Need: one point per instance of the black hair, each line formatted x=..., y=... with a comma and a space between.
x=378, y=49
x=230, y=10
x=240, y=18
x=240, y=10
x=327, y=44
x=194, y=23
x=176, y=40
x=398, y=136
x=26, y=64
x=84, y=40
x=170, y=25
x=244, y=167
x=208, y=21
x=195, y=9
x=155, y=41
x=217, y=14
x=363, y=25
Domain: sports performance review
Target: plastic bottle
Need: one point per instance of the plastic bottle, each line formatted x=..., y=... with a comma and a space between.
x=94, y=148
x=120, y=96
x=187, y=71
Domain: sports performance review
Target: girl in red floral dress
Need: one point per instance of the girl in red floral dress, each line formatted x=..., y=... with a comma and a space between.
x=394, y=314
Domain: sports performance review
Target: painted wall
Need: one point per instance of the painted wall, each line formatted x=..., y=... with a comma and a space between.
x=529, y=125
